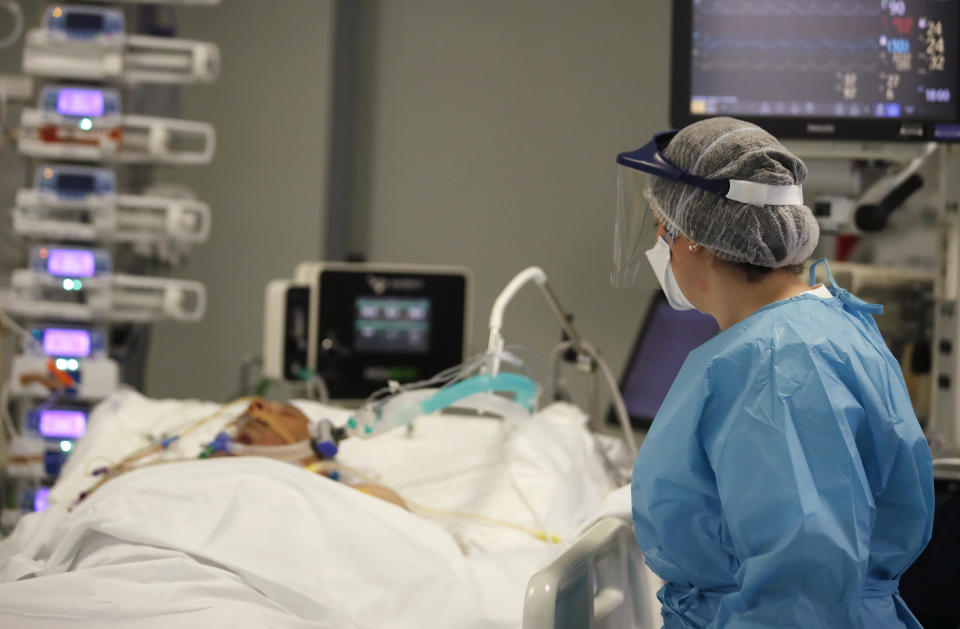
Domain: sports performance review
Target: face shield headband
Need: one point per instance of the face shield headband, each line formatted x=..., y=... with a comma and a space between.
x=650, y=159
x=634, y=232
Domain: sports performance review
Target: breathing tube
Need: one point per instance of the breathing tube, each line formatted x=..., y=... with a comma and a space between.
x=323, y=444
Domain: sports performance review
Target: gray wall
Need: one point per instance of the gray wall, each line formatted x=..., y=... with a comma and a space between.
x=487, y=138
x=494, y=128
x=266, y=185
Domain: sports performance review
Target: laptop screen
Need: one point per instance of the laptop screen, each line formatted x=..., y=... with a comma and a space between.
x=664, y=340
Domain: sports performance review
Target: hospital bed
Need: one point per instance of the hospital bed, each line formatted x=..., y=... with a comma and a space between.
x=600, y=582
x=246, y=541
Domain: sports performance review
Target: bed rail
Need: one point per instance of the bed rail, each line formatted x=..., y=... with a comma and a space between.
x=600, y=582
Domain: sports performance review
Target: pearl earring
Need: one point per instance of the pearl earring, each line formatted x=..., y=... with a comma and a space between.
x=692, y=246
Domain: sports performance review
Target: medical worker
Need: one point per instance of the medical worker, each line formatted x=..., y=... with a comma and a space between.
x=785, y=481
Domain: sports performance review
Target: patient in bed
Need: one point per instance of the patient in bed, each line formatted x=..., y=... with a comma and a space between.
x=267, y=423
x=249, y=542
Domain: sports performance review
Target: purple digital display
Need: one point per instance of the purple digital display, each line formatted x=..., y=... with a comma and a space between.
x=62, y=424
x=41, y=499
x=66, y=343
x=71, y=263
x=78, y=102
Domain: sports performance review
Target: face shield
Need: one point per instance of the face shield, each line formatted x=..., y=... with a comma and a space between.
x=635, y=227
x=636, y=223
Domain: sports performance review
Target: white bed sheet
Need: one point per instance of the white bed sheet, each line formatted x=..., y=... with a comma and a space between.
x=252, y=542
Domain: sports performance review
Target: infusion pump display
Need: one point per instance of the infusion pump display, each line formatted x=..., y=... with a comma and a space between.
x=879, y=60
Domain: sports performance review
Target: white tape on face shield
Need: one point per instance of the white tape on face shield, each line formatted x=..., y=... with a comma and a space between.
x=659, y=258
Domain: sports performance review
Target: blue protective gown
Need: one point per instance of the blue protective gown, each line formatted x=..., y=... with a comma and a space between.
x=785, y=481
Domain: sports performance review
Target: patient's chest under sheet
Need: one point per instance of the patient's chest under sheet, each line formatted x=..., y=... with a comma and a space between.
x=545, y=474
x=254, y=542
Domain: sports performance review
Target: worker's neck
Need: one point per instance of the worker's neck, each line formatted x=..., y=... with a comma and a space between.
x=733, y=299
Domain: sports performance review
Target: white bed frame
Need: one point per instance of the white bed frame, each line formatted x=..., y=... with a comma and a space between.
x=600, y=582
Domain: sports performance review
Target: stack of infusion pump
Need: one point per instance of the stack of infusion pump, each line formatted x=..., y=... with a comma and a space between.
x=85, y=216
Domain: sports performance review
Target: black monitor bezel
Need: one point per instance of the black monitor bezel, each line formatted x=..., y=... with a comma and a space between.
x=877, y=130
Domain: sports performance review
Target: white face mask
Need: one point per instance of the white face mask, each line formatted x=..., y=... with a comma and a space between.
x=659, y=258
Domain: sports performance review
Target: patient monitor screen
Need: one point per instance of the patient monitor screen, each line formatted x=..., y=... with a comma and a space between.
x=667, y=337
x=392, y=324
x=377, y=324
x=864, y=59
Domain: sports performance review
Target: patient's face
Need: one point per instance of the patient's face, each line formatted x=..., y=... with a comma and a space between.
x=275, y=424
x=268, y=423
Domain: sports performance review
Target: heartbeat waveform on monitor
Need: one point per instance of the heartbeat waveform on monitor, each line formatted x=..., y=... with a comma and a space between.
x=772, y=7
x=744, y=65
x=710, y=43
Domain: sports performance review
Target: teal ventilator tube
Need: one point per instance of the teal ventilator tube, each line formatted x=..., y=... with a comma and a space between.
x=403, y=409
x=378, y=417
